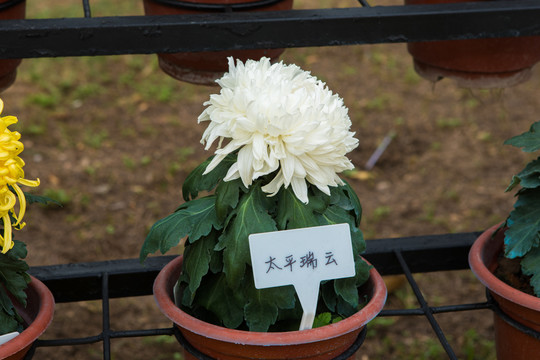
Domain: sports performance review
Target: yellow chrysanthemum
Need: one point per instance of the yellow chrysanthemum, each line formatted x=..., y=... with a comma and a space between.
x=11, y=174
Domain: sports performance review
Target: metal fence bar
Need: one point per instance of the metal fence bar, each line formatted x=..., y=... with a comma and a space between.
x=86, y=9
x=106, y=322
x=34, y=38
x=425, y=308
x=127, y=278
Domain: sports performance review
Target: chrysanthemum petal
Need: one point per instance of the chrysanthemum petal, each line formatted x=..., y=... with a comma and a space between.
x=7, y=241
x=280, y=117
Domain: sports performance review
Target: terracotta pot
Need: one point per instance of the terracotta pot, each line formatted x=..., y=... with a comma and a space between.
x=519, y=306
x=10, y=9
x=475, y=63
x=221, y=343
x=38, y=314
x=205, y=67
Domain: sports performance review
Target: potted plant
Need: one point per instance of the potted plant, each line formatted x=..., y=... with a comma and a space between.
x=506, y=259
x=10, y=9
x=27, y=305
x=286, y=138
x=475, y=63
x=207, y=66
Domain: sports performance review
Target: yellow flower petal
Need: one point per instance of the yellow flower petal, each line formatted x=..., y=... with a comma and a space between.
x=22, y=203
x=7, y=240
x=11, y=175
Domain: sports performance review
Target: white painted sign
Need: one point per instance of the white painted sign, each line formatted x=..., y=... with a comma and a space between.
x=302, y=258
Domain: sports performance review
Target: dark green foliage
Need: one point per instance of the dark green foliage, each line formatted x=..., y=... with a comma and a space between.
x=195, y=218
x=522, y=238
x=531, y=266
x=523, y=233
x=529, y=141
x=14, y=279
x=217, y=282
x=196, y=181
x=33, y=198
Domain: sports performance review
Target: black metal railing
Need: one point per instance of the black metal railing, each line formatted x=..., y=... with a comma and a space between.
x=128, y=278
x=90, y=36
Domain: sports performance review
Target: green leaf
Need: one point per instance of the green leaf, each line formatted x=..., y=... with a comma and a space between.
x=318, y=200
x=14, y=279
x=197, y=258
x=196, y=181
x=335, y=214
x=529, y=177
x=292, y=213
x=524, y=224
x=515, y=182
x=263, y=305
x=346, y=289
x=355, y=202
x=18, y=251
x=13, y=271
x=249, y=217
x=217, y=297
x=362, y=271
x=322, y=319
x=195, y=218
x=328, y=294
x=32, y=198
x=9, y=320
x=530, y=265
x=529, y=141
x=227, y=194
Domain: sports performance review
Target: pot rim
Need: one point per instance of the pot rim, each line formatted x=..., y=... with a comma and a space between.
x=478, y=256
x=39, y=324
x=162, y=290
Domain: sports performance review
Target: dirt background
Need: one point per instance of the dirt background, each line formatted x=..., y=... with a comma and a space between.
x=113, y=138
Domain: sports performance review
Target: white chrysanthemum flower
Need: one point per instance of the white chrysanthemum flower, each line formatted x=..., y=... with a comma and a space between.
x=281, y=118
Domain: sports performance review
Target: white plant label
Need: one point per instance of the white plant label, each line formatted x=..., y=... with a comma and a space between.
x=7, y=337
x=302, y=258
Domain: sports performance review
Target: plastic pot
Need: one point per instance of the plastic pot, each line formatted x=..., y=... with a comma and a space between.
x=205, y=67
x=475, y=63
x=218, y=342
x=37, y=315
x=518, y=314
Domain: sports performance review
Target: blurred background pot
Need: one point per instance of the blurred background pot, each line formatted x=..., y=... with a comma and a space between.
x=205, y=67
x=10, y=9
x=475, y=63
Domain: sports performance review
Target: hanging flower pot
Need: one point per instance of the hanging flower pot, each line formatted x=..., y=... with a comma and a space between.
x=10, y=9
x=521, y=308
x=326, y=342
x=475, y=63
x=205, y=67
x=37, y=316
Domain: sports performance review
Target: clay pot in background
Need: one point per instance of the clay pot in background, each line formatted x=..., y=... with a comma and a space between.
x=10, y=9
x=205, y=67
x=475, y=63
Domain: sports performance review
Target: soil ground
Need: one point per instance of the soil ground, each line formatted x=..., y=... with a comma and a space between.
x=113, y=138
